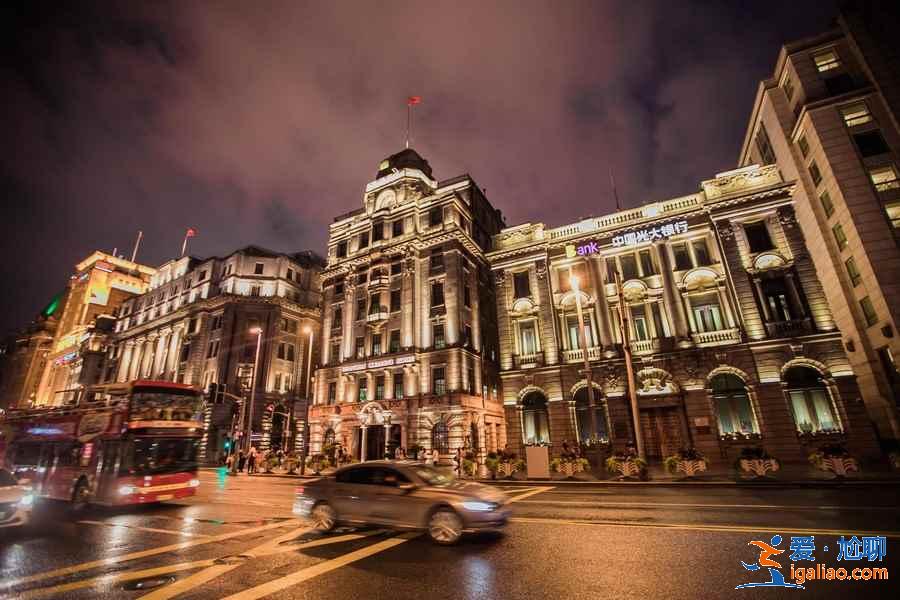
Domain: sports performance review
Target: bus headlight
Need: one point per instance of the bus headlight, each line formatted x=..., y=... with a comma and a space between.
x=194, y=483
x=127, y=490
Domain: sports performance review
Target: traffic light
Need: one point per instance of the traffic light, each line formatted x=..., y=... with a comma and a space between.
x=227, y=445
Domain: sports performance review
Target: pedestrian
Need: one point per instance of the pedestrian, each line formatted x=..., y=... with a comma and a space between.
x=435, y=457
x=242, y=460
x=229, y=462
x=566, y=451
x=458, y=461
x=251, y=460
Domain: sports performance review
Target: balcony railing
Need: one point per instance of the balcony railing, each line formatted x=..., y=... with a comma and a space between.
x=379, y=281
x=594, y=353
x=525, y=361
x=645, y=346
x=717, y=338
x=379, y=313
x=791, y=328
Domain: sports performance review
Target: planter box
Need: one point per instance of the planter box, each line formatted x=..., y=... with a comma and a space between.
x=758, y=467
x=841, y=467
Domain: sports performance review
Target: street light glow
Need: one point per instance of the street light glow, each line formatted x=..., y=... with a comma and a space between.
x=256, y=330
x=307, y=329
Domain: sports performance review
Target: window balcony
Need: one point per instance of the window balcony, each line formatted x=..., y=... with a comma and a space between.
x=378, y=314
x=645, y=346
x=528, y=361
x=717, y=338
x=790, y=328
x=571, y=356
x=379, y=281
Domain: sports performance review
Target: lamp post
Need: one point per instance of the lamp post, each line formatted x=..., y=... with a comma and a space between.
x=258, y=331
x=587, y=363
x=309, y=331
x=629, y=367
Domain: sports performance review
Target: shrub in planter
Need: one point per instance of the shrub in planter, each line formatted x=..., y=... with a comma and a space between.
x=413, y=451
x=627, y=464
x=688, y=461
x=834, y=458
x=755, y=462
x=569, y=466
x=503, y=464
x=317, y=463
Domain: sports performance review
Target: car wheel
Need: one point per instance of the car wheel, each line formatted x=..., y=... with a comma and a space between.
x=323, y=517
x=445, y=526
x=81, y=496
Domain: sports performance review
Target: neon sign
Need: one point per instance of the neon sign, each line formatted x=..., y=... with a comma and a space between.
x=650, y=234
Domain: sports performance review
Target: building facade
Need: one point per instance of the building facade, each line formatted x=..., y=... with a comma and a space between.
x=101, y=283
x=733, y=340
x=409, y=330
x=196, y=324
x=828, y=118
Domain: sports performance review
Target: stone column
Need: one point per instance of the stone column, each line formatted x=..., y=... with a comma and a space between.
x=475, y=301
x=362, y=444
x=794, y=294
x=600, y=309
x=547, y=322
x=125, y=362
x=762, y=298
x=730, y=319
x=137, y=360
x=387, y=434
x=174, y=352
x=673, y=305
x=452, y=296
x=388, y=384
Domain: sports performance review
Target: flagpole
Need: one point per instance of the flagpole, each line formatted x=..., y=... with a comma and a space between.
x=408, y=119
x=184, y=244
x=612, y=181
x=137, y=245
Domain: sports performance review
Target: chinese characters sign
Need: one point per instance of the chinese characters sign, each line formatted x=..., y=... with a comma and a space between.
x=650, y=234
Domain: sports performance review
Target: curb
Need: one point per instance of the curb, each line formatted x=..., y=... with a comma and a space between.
x=742, y=484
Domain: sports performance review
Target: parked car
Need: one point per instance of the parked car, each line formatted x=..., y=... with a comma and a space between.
x=403, y=495
x=16, y=500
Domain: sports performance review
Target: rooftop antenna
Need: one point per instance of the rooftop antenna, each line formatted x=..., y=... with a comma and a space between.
x=409, y=104
x=137, y=244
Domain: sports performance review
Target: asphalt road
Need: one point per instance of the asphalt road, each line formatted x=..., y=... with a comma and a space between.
x=238, y=539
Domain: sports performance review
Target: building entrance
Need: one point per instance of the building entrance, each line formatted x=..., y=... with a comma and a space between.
x=663, y=432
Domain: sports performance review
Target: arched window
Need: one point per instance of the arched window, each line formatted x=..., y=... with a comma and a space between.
x=440, y=437
x=329, y=437
x=811, y=403
x=535, y=419
x=732, y=405
x=583, y=416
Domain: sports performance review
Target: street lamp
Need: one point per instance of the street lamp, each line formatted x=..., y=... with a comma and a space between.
x=308, y=331
x=574, y=281
x=257, y=331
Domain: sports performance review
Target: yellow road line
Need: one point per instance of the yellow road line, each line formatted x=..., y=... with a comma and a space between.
x=687, y=505
x=6, y=585
x=698, y=527
x=276, y=585
x=533, y=491
x=150, y=529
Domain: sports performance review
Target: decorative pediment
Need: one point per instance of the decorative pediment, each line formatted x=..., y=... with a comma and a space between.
x=634, y=290
x=700, y=278
x=524, y=306
x=769, y=260
x=655, y=381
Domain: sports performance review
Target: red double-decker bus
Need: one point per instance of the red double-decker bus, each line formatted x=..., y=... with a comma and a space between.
x=116, y=444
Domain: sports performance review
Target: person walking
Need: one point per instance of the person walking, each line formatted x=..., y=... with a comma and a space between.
x=242, y=460
x=435, y=457
x=251, y=460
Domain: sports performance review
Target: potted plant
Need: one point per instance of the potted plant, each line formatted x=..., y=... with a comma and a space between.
x=503, y=464
x=318, y=463
x=834, y=458
x=469, y=465
x=627, y=464
x=755, y=462
x=569, y=465
x=688, y=461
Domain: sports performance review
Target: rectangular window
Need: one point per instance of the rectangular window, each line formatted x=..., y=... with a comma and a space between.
x=775, y=296
x=281, y=351
x=812, y=410
x=360, y=347
x=258, y=269
x=397, y=228
x=467, y=296
x=707, y=314
x=758, y=237
x=396, y=267
x=853, y=271
x=338, y=289
x=893, y=213
x=826, y=60
x=335, y=352
x=521, y=285
x=379, y=387
x=611, y=270
x=360, y=310
x=337, y=316
x=437, y=294
x=639, y=323
x=870, y=143
x=364, y=240
x=377, y=231
x=528, y=337
x=658, y=320
x=332, y=392
x=839, y=236
x=255, y=290
x=856, y=114
x=363, y=392
x=362, y=277
x=277, y=382
x=395, y=300
x=803, y=145
x=647, y=265
x=467, y=335
x=394, y=344
x=827, y=204
x=213, y=349
x=573, y=335
x=788, y=86
x=436, y=260
x=376, y=344
x=814, y=173
x=439, y=341
x=290, y=274
x=629, y=266
x=764, y=146
x=398, y=384
x=868, y=311
x=884, y=178
x=375, y=304
x=435, y=216
x=682, y=257
x=701, y=253
x=290, y=352
x=439, y=381
x=342, y=249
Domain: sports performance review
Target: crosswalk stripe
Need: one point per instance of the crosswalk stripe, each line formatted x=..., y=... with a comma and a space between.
x=150, y=529
x=533, y=492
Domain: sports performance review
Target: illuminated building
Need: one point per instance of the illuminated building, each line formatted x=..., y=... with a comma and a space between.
x=100, y=284
x=733, y=341
x=409, y=330
x=828, y=118
x=194, y=325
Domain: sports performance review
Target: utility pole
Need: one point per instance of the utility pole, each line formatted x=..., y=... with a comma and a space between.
x=629, y=368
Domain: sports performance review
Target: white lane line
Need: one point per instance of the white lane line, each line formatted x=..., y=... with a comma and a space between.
x=688, y=505
x=698, y=527
x=150, y=529
x=105, y=562
x=276, y=585
x=534, y=491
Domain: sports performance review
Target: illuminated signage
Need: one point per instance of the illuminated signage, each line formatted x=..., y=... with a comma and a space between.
x=650, y=234
x=66, y=358
x=379, y=363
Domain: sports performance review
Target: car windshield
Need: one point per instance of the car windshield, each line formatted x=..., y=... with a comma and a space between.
x=6, y=478
x=433, y=476
x=145, y=456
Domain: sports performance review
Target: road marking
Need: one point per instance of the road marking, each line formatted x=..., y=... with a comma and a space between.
x=150, y=529
x=7, y=585
x=534, y=491
x=689, y=526
x=686, y=505
x=185, y=566
x=276, y=585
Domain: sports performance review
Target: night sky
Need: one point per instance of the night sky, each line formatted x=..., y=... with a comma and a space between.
x=258, y=122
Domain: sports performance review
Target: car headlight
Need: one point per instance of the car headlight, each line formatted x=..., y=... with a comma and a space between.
x=127, y=490
x=477, y=506
x=194, y=482
x=26, y=501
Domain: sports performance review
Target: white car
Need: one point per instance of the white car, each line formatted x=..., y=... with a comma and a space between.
x=16, y=500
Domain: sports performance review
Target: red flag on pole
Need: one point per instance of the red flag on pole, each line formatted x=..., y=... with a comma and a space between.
x=413, y=100
x=191, y=232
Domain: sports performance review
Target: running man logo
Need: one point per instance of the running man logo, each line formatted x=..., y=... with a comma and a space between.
x=776, y=578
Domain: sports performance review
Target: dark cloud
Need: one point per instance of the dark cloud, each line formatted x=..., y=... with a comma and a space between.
x=259, y=122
